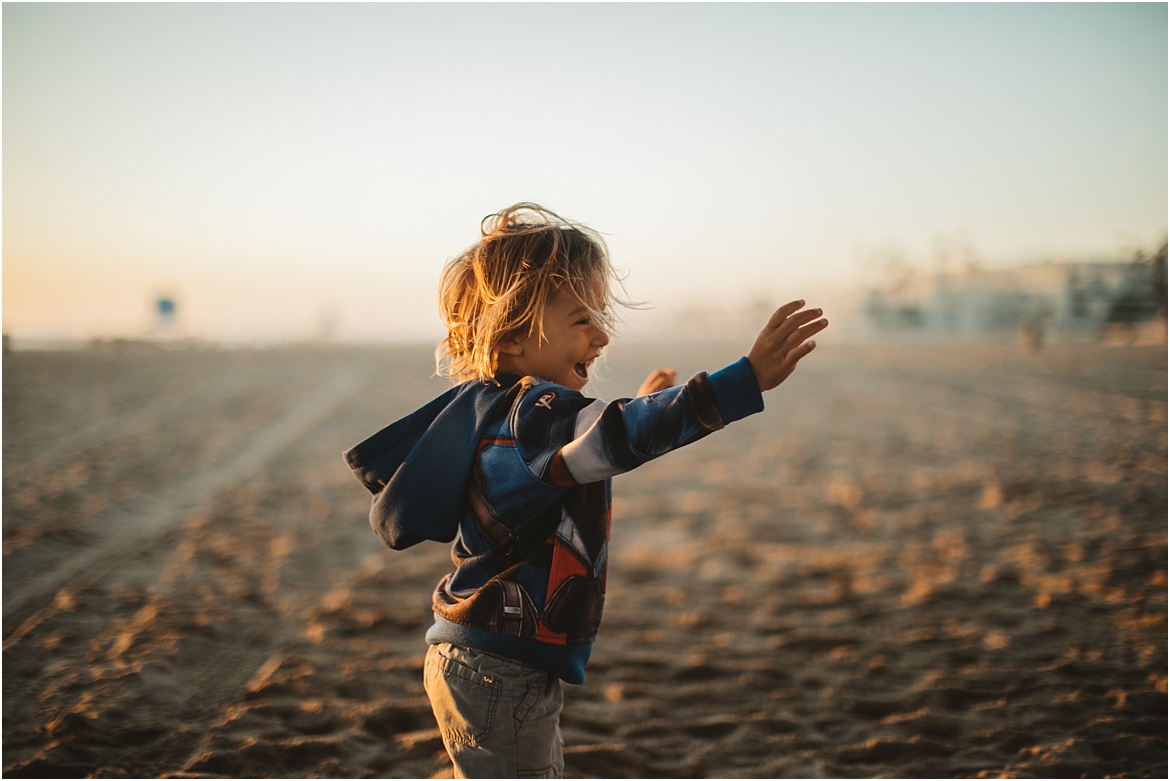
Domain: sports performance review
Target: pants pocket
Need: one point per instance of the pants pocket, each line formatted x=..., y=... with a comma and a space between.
x=464, y=700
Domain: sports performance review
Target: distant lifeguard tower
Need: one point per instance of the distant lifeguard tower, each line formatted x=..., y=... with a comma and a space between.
x=166, y=318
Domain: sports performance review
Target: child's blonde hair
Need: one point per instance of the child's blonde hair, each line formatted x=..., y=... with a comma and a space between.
x=498, y=288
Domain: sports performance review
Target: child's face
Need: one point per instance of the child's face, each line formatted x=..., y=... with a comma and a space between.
x=571, y=343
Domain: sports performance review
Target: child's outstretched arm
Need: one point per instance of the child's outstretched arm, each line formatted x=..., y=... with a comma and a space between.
x=577, y=440
x=784, y=341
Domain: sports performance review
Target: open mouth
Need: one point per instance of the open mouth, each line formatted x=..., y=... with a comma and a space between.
x=581, y=370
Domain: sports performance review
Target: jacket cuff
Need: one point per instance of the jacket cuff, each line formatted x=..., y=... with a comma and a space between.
x=737, y=392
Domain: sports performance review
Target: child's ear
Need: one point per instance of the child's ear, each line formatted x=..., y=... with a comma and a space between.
x=510, y=346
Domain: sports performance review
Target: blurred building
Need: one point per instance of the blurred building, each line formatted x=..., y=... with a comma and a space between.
x=1069, y=301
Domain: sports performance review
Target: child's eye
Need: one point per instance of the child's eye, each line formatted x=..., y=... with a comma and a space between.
x=583, y=321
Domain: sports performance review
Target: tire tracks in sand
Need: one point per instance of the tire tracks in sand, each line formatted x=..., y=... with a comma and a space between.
x=148, y=682
x=126, y=530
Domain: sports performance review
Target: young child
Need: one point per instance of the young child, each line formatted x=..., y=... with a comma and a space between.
x=514, y=465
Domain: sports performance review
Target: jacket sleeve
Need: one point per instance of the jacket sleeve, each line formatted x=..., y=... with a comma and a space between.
x=566, y=439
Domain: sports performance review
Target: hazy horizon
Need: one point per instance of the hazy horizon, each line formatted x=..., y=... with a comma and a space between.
x=280, y=168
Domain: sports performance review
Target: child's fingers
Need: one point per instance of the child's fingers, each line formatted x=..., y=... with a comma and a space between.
x=659, y=379
x=804, y=332
x=793, y=323
x=801, y=351
x=783, y=313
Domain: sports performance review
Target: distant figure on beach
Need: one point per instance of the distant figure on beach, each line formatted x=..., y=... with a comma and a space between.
x=514, y=465
x=1035, y=326
x=1032, y=333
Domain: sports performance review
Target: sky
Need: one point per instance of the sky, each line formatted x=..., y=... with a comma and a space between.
x=289, y=170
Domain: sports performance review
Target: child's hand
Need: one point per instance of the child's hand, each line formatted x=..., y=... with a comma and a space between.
x=659, y=379
x=783, y=342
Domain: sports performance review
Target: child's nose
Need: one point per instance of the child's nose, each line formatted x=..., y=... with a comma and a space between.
x=600, y=339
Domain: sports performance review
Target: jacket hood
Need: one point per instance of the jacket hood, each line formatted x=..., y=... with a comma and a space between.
x=418, y=467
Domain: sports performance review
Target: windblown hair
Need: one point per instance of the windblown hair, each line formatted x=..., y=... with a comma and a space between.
x=497, y=289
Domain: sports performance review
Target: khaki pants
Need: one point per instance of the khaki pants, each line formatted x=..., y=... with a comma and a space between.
x=498, y=718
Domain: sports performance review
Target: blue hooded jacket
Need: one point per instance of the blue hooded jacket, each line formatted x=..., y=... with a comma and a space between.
x=518, y=475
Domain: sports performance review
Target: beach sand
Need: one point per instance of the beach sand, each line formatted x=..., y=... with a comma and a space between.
x=918, y=561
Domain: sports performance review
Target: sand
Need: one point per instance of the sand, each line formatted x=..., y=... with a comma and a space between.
x=918, y=561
